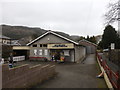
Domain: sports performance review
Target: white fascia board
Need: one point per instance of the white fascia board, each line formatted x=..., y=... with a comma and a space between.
x=54, y=34
x=37, y=38
x=65, y=38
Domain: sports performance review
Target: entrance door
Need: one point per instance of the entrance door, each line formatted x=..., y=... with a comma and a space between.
x=56, y=54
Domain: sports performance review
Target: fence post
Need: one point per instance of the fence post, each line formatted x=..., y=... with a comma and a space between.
x=110, y=74
x=103, y=63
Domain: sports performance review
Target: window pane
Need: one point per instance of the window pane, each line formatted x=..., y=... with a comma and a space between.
x=35, y=51
x=40, y=52
x=35, y=45
x=40, y=45
x=46, y=52
x=44, y=45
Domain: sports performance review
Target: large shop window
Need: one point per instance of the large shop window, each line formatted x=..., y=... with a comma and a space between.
x=40, y=52
x=43, y=45
x=35, y=51
x=46, y=51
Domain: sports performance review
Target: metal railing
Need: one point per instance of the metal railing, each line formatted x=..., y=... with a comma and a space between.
x=113, y=76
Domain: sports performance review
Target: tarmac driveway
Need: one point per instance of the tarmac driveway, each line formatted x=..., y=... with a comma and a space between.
x=72, y=75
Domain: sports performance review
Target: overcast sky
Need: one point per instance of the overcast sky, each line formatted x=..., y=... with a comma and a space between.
x=75, y=17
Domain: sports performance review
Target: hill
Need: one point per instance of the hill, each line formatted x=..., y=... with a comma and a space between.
x=26, y=34
x=18, y=32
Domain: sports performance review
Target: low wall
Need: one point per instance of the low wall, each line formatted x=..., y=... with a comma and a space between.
x=25, y=76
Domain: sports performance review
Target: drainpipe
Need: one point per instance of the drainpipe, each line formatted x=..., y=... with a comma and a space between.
x=74, y=55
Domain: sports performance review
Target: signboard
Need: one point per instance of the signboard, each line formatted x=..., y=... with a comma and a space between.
x=112, y=46
x=61, y=46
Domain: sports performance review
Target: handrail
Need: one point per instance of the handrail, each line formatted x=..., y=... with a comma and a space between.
x=113, y=77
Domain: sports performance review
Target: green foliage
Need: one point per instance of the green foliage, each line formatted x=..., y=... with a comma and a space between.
x=91, y=39
x=6, y=50
x=109, y=36
x=81, y=38
x=100, y=45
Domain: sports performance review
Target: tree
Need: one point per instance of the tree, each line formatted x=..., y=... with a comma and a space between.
x=6, y=50
x=113, y=13
x=100, y=45
x=88, y=38
x=109, y=36
x=91, y=39
x=118, y=43
x=81, y=37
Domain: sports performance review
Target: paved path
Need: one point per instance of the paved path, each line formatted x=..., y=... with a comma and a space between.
x=76, y=76
x=90, y=59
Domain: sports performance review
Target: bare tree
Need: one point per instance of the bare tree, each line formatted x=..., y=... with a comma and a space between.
x=113, y=13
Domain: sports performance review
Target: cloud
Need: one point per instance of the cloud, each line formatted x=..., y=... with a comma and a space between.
x=84, y=17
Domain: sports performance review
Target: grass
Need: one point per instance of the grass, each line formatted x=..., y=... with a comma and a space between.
x=101, y=81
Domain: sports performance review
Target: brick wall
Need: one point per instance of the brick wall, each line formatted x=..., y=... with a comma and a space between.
x=25, y=76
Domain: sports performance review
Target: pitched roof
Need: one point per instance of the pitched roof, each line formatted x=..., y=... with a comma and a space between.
x=87, y=42
x=54, y=33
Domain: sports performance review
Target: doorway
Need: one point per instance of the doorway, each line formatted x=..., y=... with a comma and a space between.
x=56, y=53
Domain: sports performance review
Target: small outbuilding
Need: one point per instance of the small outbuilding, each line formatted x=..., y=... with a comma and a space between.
x=90, y=47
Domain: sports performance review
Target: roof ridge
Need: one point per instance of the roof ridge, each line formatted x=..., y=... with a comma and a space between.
x=50, y=31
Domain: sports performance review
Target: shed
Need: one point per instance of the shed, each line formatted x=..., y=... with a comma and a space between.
x=90, y=47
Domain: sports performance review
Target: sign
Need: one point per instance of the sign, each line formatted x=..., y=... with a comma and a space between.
x=112, y=46
x=61, y=46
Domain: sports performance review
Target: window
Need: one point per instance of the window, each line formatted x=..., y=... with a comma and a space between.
x=35, y=51
x=35, y=45
x=44, y=45
x=40, y=52
x=46, y=51
x=66, y=53
x=40, y=45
